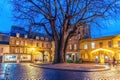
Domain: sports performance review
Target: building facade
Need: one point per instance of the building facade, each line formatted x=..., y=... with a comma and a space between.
x=101, y=50
x=4, y=45
x=25, y=48
x=73, y=46
x=40, y=48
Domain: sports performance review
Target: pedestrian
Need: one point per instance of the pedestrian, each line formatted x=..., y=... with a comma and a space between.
x=114, y=62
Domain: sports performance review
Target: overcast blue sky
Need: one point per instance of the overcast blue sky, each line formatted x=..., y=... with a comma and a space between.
x=6, y=22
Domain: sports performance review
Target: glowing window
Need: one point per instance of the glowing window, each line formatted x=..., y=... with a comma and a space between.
x=17, y=35
x=93, y=45
x=118, y=43
x=85, y=46
x=70, y=46
x=17, y=42
x=75, y=46
x=109, y=43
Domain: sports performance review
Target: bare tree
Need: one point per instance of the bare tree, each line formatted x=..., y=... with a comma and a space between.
x=62, y=18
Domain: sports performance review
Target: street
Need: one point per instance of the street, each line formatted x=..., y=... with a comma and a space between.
x=24, y=71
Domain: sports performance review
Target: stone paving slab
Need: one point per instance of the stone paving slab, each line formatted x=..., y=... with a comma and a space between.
x=74, y=67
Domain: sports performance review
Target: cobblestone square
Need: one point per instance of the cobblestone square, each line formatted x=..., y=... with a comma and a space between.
x=25, y=71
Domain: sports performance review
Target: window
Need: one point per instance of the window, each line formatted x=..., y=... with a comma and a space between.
x=1, y=50
x=37, y=44
x=92, y=45
x=25, y=36
x=17, y=42
x=17, y=35
x=118, y=43
x=46, y=39
x=109, y=43
x=22, y=43
x=75, y=46
x=101, y=44
x=37, y=37
x=70, y=46
x=85, y=46
x=25, y=43
x=42, y=38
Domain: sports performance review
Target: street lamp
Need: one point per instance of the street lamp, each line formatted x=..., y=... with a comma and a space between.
x=32, y=49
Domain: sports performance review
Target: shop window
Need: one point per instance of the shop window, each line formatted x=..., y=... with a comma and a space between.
x=10, y=58
x=85, y=46
x=109, y=44
x=92, y=45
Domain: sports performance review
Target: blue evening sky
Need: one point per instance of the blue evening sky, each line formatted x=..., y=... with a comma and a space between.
x=6, y=22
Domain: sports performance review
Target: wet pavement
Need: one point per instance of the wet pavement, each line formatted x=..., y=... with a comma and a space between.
x=25, y=71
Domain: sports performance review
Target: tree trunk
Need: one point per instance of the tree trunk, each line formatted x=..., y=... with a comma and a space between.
x=57, y=53
x=60, y=48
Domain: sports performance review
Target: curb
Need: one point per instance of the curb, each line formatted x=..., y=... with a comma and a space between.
x=76, y=70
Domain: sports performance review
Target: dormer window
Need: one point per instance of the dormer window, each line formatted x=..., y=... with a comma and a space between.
x=42, y=38
x=46, y=39
x=25, y=36
x=17, y=35
x=37, y=37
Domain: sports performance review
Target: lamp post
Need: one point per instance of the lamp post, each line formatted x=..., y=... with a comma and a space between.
x=32, y=49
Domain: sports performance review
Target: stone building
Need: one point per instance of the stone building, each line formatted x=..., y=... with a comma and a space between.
x=4, y=45
x=73, y=46
x=102, y=49
x=25, y=48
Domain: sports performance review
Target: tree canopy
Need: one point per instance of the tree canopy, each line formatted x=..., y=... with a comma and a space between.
x=61, y=18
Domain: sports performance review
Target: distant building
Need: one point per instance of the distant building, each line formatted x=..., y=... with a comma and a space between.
x=102, y=49
x=25, y=48
x=40, y=48
x=73, y=46
x=4, y=45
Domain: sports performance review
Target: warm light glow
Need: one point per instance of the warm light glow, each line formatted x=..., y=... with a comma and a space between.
x=32, y=49
x=101, y=49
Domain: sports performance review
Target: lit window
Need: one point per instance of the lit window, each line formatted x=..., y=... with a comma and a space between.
x=109, y=44
x=85, y=46
x=37, y=37
x=93, y=45
x=118, y=43
x=70, y=46
x=75, y=46
x=17, y=42
x=25, y=43
x=17, y=35
x=42, y=38
x=25, y=36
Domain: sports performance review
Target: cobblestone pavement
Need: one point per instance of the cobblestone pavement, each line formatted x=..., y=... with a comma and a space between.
x=27, y=72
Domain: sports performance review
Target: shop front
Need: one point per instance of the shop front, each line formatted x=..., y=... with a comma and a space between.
x=25, y=58
x=10, y=58
x=72, y=57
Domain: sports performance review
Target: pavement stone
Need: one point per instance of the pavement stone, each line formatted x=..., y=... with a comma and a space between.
x=27, y=72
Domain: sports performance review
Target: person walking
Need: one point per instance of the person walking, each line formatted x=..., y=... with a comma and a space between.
x=114, y=62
